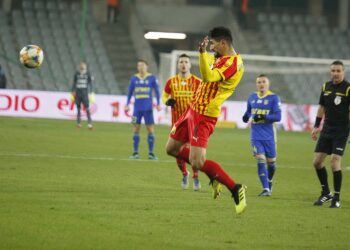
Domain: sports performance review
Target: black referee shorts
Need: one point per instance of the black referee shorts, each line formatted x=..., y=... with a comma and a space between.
x=331, y=145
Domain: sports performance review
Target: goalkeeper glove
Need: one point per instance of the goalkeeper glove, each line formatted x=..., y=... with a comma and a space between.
x=92, y=98
x=245, y=118
x=170, y=102
x=259, y=118
x=72, y=97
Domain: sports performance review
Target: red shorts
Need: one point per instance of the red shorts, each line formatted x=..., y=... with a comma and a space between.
x=193, y=128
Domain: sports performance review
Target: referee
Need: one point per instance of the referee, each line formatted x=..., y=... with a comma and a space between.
x=334, y=107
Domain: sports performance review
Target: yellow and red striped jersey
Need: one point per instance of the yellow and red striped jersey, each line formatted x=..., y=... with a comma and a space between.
x=210, y=95
x=182, y=90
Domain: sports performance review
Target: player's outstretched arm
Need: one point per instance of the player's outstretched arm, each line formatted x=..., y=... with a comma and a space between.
x=208, y=75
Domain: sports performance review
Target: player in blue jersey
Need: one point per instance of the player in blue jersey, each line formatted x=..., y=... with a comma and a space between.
x=141, y=87
x=263, y=110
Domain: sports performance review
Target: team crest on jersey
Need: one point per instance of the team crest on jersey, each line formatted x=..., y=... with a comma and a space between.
x=337, y=100
x=183, y=83
x=266, y=102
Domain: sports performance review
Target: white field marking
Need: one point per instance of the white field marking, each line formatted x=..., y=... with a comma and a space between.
x=57, y=156
x=135, y=160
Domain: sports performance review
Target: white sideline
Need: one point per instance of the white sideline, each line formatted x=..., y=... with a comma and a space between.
x=126, y=159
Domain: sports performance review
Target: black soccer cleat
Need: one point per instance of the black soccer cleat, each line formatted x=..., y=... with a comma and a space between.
x=265, y=193
x=335, y=204
x=323, y=199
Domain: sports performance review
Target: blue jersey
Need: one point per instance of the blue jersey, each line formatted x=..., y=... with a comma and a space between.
x=269, y=105
x=141, y=89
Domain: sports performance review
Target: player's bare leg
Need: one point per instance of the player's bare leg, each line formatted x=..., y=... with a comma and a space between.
x=173, y=148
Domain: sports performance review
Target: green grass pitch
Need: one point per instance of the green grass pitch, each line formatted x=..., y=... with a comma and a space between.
x=68, y=188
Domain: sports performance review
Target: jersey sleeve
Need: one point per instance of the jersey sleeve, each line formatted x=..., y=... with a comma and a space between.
x=91, y=83
x=275, y=113
x=208, y=74
x=321, y=99
x=165, y=97
x=167, y=87
x=156, y=89
x=130, y=91
x=74, y=83
x=248, y=112
x=348, y=94
x=228, y=69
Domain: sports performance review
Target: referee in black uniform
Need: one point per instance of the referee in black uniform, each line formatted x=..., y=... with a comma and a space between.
x=82, y=87
x=334, y=107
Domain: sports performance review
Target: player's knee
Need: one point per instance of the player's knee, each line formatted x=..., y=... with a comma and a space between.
x=260, y=159
x=171, y=150
x=336, y=163
x=317, y=163
x=197, y=162
x=271, y=162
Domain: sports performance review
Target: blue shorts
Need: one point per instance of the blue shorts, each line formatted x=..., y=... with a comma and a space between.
x=147, y=115
x=264, y=147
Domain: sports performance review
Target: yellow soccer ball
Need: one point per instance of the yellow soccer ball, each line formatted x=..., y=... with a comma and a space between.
x=31, y=56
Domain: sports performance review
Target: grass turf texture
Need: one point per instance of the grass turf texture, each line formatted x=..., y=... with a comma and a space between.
x=68, y=188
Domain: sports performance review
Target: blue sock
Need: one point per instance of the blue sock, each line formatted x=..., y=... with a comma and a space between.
x=271, y=168
x=150, y=140
x=136, y=139
x=262, y=172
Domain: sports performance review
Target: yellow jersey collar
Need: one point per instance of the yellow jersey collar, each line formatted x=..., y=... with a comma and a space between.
x=146, y=75
x=267, y=93
x=184, y=79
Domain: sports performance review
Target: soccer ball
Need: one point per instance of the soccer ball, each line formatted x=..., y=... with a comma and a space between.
x=31, y=56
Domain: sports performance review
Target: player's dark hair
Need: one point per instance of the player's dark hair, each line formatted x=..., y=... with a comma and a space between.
x=262, y=75
x=221, y=33
x=143, y=61
x=183, y=56
x=338, y=62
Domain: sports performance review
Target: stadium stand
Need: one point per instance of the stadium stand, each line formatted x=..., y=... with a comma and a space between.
x=298, y=35
x=121, y=52
x=55, y=26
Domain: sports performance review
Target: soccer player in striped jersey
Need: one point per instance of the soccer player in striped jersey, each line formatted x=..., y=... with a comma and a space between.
x=263, y=110
x=220, y=77
x=177, y=94
x=141, y=87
